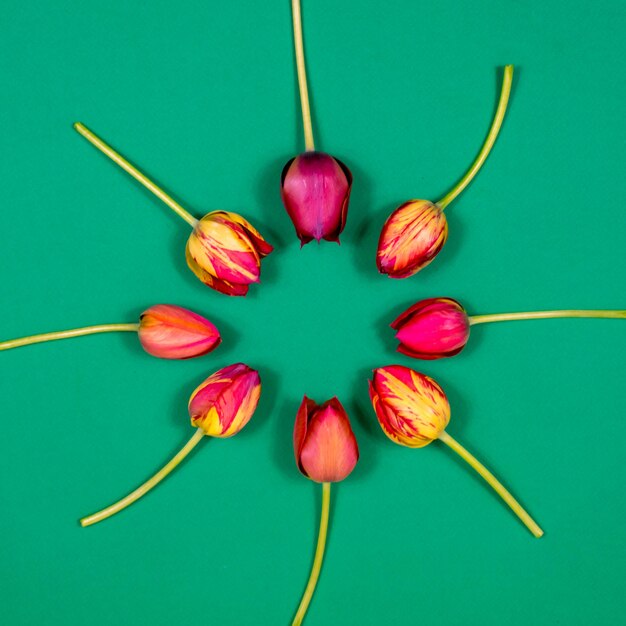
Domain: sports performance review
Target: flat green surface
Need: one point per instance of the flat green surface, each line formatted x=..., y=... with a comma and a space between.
x=203, y=96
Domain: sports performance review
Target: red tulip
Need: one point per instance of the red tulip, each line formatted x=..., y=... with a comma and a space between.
x=432, y=329
x=315, y=188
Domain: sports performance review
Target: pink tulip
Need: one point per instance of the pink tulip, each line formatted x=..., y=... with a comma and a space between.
x=432, y=329
x=315, y=188
x=171, y=332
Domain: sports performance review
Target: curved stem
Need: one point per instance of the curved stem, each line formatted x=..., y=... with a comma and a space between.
x=493, y=482
x=541, y=315
x=304, y=92
x=66, y=334
x=135, y=173
x=319, y=557
x=491, y=139
x=140, y=491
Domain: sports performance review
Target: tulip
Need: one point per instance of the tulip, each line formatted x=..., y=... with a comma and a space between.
x=439, y=327
x=165, y=331
x=416, y=231
x=413, y=411
x=224, y=250
x=326, y=451
x=220, y=407
x=315, y=187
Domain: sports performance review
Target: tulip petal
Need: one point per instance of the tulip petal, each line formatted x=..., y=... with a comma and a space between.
x=300, y=427
x=223, y=286
x=330, y=451
x=258, y=242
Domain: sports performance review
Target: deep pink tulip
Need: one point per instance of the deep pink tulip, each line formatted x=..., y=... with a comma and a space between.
x=315, y=188
x=432, y=329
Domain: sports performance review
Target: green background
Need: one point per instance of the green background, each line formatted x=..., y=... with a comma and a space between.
x=203, y=97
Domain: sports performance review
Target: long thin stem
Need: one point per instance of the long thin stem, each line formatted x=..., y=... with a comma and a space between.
x=66, y=334
x=135, y=173
x=319, y=557
x=304, y=91
x=494, y=482
x=542, y=315
x=491, y=139
x=140, y=491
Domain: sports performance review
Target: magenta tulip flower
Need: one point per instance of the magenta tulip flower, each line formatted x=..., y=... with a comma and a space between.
x=439, y=327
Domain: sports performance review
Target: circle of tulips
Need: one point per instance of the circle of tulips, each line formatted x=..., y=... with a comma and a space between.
x=225, y=252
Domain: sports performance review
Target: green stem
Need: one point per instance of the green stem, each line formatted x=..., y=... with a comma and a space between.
x=67, y=334
x=135, y=173
x=319, y=557
x=140, y=491
x=491, y=139
x=498, y=487
x=540, y=315
x=301, y=67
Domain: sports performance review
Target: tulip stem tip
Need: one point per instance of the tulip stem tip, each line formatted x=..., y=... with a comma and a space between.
x=505, y=92
x=67, y=334
x=493, y=482
x=135, y=173
x=319, y=557
x=140, y=491
x=301, y=68
x=540, y=315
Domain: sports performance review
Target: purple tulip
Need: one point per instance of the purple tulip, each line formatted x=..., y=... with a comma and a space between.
x=315, y=188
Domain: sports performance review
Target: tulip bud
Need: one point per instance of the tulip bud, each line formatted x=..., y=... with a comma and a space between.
x=224, y=251
x=324, y=444
x=315, y=188
x=411, y=238
x=412, y=408
x=432, y=329
x=171, y=332
x=224, y=403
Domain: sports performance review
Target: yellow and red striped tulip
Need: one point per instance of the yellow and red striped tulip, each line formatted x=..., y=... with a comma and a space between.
x=411, y=238
x=224, y=403
x=168, y=331
x=324, y=445
x=412, y=408
x=220, y=407
x=224, y=251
